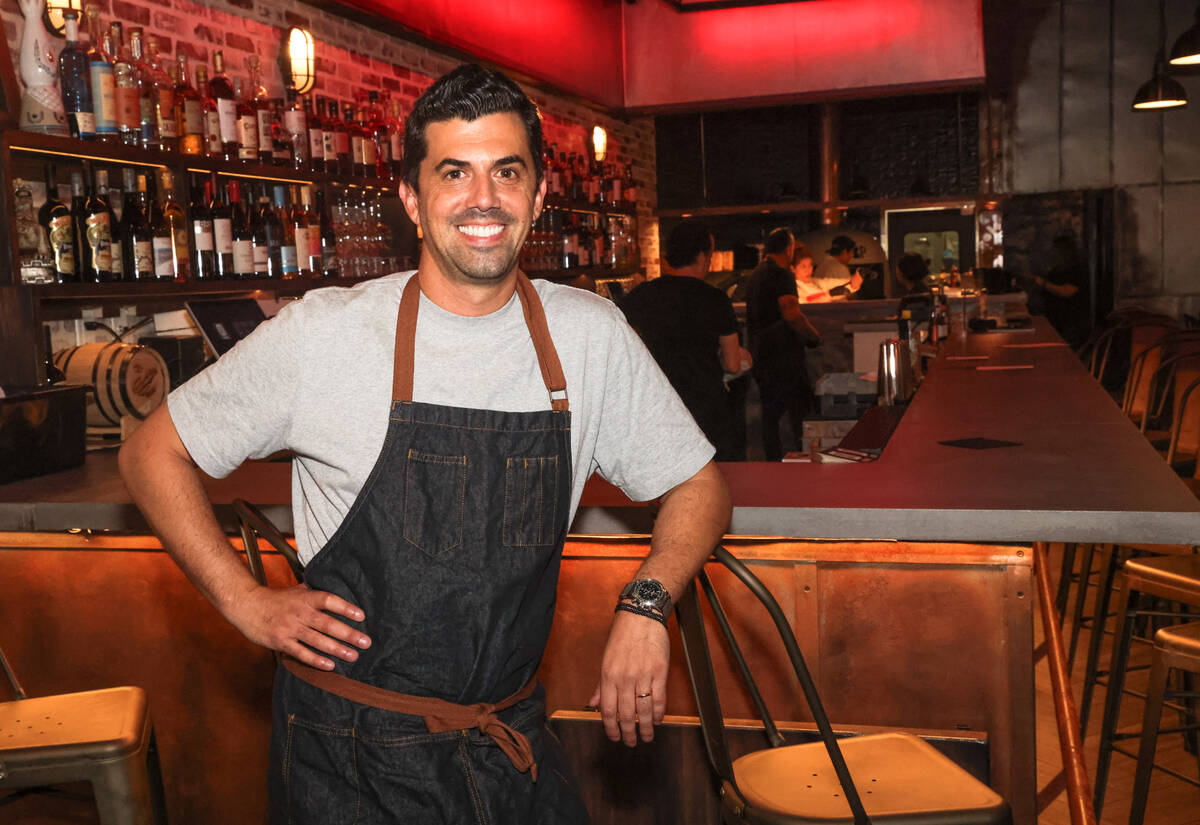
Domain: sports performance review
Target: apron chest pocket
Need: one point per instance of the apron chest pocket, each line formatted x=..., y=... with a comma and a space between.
x=530, y=499
x=434, y=489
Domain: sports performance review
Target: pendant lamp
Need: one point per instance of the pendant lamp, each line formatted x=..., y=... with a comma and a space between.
x=1186, y=51
x=1161, y=91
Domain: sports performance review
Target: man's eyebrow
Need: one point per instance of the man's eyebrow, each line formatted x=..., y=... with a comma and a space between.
x=509, y=160
x=455, y=162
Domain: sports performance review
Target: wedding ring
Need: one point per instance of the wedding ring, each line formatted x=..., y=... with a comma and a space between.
x=644, y=695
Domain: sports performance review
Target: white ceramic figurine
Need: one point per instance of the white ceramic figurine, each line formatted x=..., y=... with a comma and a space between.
x=41, y=105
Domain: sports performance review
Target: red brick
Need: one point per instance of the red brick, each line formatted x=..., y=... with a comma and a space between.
x=239, y=41
x=171, y=22
x=208, y=34
x=392, y=84
x=292, y=19
x=242, y=4
x=360, y=58
x=371, y=81
x=413, y=91
x=131, y=13
x=325, y=66
x=165, y=44
x=401, y=72
x=193, y=51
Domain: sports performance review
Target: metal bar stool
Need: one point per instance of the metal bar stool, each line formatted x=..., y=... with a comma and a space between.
x=1175, y=648
x=1174, y=578
x=99, y=736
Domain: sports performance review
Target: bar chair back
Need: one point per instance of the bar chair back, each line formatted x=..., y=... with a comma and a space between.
x=253, y=523
x=104, y=737
x=887, y=777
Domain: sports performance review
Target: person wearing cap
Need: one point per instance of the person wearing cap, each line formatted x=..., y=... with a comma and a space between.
x=833, y=274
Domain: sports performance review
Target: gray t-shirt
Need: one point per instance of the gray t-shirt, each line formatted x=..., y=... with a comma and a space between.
x=317, y=380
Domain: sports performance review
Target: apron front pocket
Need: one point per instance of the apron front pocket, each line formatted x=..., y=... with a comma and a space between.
x=530, y=498
x=434, y=489
x=320, y=774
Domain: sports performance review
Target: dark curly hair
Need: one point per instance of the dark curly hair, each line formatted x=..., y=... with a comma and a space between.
x=468, y=92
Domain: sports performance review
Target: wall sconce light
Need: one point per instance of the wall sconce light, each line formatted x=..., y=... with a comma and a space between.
x=52, y=18
x=599, y=143
x=1186, y=51
x=300, y=69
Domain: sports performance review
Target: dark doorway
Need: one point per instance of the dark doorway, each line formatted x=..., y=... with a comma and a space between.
x=944, y=237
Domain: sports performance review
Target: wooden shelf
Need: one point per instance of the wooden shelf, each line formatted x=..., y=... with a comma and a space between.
x=157, y=289
x=557, y=202
x=816, y=206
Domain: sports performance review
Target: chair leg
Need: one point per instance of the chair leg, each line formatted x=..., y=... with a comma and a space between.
x=1064, y=580
x=158, y=800
x=1116, y=684
x=1085, y=575
x=1104, y=589
x=1155, y=694
x=122, y=789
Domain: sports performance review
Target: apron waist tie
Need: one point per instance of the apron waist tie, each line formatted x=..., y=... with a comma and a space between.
x=439, y=715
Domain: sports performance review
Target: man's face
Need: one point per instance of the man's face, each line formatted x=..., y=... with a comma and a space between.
x=845, y=255
x=478, y=196
x=803, y=269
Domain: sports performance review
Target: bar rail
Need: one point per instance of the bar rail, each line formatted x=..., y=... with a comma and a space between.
x=1079, y=794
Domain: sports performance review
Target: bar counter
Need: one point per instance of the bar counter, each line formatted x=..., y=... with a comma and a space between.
x=904, y=579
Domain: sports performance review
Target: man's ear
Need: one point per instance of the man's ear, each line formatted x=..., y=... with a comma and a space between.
x=411, y=202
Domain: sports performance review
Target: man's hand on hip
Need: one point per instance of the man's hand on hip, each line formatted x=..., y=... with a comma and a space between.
x=632, y=694
x=297, y=621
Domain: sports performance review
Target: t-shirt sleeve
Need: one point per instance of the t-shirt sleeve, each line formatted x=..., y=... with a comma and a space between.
x=727, y=322
x=647, y=441
x=242, y=405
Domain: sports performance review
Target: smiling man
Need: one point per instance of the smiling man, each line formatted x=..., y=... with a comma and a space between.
x=443, y=423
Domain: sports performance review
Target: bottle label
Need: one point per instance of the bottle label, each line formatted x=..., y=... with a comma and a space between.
x=396, y=139
x=316, y=143
x=385, y=151
x=369, y=153
x=302, y=254
x=314, y=247
x=84, y=123
x=247, y=137
x=212, y=132
x=99, y=237
x=62, y=244
x=166, y=113
x=243, y=257
x=117, y=260
x=228, y=120
x=342, y=142
x=104, y=100
x=143, y=259
x=294, y=121
x=330, y=146
x=164, y=257
x=223, y=236
x=149, y=113
x=356, y=144
x=261, y=259
x=265, y=144
x=203, y=231
x=288, y=256
x=193, y=118
x=129, y=116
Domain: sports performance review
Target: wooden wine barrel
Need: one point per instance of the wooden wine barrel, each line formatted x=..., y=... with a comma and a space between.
x=127, y=379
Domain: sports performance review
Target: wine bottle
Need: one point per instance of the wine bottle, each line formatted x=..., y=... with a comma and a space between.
x=100, y=70
x=59, y=228
x=213, y=145
x=222, y=219
x=264, y=112
x=243, y=236
x=173, y=224
x=147, y=92
x=269, y=233
x=345, y=140
x=122, y=248
x=287, y=251
x=331, y=139
x=299, y=222
x=295, y=122
x=164, y=86
x=329, y=266
x=247, y=125
x=139, y=236
x=79, y=241
x=204, y=256
x=73, y=71
x=396, y=138
x=222, y=92
x=125, y=94
x=97, y=222
x=316, y=135
x=313, y=224
x=189, y=112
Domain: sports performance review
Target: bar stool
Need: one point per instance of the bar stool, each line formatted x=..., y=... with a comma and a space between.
x=100, y=736
x=1174, y=578
x=1175, y=648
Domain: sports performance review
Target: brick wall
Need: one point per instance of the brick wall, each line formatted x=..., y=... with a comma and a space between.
x=352, y=57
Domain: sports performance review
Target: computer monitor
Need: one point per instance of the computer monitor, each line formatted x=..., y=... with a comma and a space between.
x=225, y=321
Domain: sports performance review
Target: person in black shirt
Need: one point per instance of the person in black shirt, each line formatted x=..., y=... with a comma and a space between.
x=692, y=332
x=779, y=332
x=1062, y=291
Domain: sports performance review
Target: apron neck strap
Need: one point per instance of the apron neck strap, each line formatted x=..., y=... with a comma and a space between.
x=535, y=321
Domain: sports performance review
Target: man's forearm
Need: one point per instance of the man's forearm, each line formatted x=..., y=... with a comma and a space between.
x=691, y=521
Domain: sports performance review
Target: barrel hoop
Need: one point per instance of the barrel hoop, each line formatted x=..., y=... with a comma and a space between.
x=107, y=383
x=133, y=410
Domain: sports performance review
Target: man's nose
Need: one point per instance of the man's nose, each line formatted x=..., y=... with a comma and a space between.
x=483, y=193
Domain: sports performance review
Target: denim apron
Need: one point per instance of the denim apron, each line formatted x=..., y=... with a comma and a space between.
x=452, y=550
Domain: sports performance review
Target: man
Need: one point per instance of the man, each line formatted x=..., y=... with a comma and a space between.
x=833, y=273
x=692, y=332
x=779, y=332
x=443, y=424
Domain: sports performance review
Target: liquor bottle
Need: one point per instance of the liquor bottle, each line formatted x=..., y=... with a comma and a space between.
x=396, y=138
x=329, y=265
x=299, y=221
x=259, y=251
x=552, y=171
x=381, y=146
x=316, y=135
x=164, y=85
x=222, y=220
x=100, y=70
x=79, y=241
x=240, y=231
x=129, y=116
x=204, y=256
x=268, y=238
x=54, y=375
x=171, y=259
x=334, y=136
x=295, y=122
x=97, y=224
x=189, y=112
x=122, y=247
x=223, y=94
x=147, y=92
x=264, y=112
x=282, y=140
x=73, y=70
x=313, y=223
x=214, y=147
x=358, y=135
x=59, y=228
x=287, y=250
x=247, y=125
x=629, y=185
x=139, y=236
x=345, y=138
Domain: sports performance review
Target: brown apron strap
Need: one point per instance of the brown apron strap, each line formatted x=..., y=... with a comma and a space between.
x=439, y=715
x=535, y=321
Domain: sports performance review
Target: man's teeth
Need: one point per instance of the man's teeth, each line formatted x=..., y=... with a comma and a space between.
x=480, y=231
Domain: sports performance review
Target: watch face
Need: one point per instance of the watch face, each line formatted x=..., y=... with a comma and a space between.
x=647, y=591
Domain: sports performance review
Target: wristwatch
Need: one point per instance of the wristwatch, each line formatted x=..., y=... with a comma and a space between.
x=647, y=594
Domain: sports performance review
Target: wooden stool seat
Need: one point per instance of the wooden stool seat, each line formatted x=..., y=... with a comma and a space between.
x=898, y=776
x=1171, y=577
x=99, y=736
x=1179, y=646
